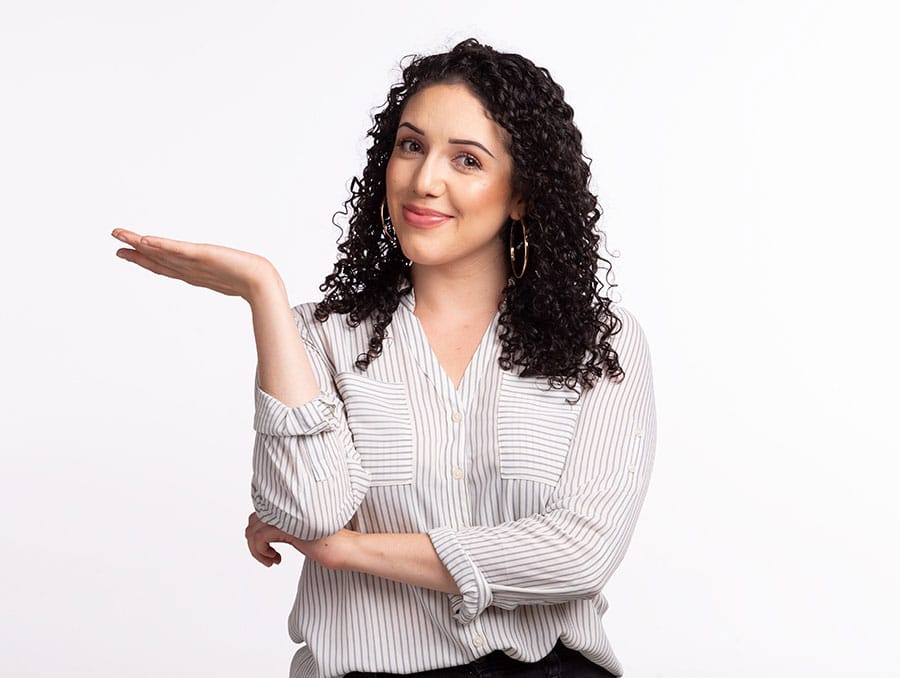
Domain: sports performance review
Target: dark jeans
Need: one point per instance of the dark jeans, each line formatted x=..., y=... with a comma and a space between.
x=560, y=663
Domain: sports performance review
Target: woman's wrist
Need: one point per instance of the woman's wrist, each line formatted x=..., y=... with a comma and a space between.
x=264, y=286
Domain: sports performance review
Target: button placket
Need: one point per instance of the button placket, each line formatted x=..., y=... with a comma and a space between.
x=458, y=459
x=456, y=416
x=477, y=638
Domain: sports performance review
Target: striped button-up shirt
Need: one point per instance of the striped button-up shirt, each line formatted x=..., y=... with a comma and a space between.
x=530, y=501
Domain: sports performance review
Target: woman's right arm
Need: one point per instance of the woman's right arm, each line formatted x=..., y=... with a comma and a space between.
x=307, y=476
x=283, y=366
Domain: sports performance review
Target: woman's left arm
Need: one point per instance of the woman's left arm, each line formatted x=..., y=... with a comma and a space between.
x=408, y=558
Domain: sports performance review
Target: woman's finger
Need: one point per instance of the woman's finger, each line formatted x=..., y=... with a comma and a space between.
x=157, y=248
x=144, y=261
x=179, y=248
x=259, y=536
x=125, y=235
x=263, y=538
x=267, y=557
x=259, y=547
x=263, y=552
x=137, y=241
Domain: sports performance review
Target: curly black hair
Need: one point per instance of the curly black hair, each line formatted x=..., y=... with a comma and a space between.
x=555, y=322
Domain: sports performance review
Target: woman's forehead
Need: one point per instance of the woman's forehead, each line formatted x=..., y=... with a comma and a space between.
x=450, y=110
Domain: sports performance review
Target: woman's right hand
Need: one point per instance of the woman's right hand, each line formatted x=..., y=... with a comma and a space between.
x=222, y=269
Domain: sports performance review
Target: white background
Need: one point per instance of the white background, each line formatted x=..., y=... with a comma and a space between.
x=746, y=157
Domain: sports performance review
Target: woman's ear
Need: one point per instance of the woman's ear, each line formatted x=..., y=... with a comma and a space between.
x=517, y=211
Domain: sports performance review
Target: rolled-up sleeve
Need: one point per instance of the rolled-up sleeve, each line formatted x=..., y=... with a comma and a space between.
x=475, y=592
x=570, y=549
x=308, y=479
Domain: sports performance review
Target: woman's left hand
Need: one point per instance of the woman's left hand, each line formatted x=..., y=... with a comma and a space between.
x=330, y=551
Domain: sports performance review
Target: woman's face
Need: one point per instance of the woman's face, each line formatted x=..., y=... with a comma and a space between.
x=450, y=158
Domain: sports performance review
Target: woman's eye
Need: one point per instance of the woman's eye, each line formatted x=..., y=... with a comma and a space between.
x=470, y=161
x=409, y=146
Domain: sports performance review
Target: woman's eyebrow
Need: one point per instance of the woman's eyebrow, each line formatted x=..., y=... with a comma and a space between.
x=412, y=127
x=471, y=143
x=452, y=141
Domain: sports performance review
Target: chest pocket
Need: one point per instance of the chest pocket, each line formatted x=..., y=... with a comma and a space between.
x=534, y=427
x=379, y=417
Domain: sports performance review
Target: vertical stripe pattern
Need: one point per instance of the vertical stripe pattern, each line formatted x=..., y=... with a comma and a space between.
x=529, y=500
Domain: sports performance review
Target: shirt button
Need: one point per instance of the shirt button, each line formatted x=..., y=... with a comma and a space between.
x=638, y=434
x=477, y=641
x=456, y=416
x=631, y=468
x=457, y=472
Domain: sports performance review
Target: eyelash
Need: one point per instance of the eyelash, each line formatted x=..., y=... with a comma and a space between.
x=477, y=166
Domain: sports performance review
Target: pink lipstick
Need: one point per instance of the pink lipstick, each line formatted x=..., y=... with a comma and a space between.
x=420, y=217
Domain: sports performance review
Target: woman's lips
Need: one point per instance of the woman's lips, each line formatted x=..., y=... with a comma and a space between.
x=423, y=220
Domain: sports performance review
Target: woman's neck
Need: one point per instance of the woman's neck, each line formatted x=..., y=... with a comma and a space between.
x=440, y=292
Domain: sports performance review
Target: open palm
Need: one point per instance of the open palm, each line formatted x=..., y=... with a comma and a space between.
x=222, y=269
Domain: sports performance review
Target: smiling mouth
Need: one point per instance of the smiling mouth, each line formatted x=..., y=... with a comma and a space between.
x=428, y=219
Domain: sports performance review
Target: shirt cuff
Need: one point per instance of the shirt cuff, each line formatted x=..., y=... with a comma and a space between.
x=474, y=591
x=275, y=418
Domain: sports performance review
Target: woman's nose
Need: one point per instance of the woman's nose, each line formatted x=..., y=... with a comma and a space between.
x=429, y=179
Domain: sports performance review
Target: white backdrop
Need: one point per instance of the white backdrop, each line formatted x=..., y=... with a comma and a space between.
x=745, y=155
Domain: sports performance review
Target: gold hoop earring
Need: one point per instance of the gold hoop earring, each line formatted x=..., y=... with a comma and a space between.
x=512, y=251
x=391, y=237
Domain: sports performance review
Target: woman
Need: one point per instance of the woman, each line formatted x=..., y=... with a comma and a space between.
x=460, y=435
